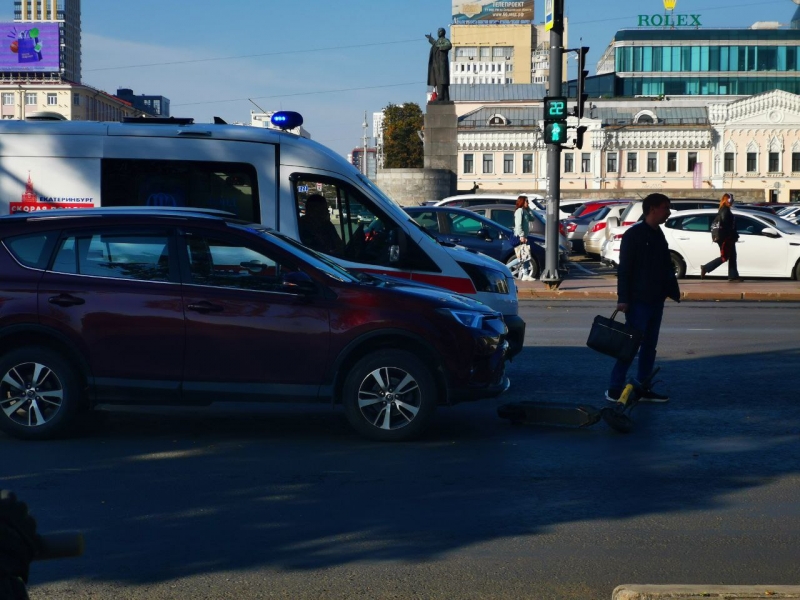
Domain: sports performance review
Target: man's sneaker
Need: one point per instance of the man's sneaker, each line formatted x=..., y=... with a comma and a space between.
x=613, y=395
x=652, y=396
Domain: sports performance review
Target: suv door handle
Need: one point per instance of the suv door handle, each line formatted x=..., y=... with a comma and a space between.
x=65, y=300
x=204, y=306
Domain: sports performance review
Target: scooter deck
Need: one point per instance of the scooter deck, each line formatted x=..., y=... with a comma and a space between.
x=550, y=413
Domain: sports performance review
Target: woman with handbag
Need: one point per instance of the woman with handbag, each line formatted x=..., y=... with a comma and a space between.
x=522, y=219
x=723, y=233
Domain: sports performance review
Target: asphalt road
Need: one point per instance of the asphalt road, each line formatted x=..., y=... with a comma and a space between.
x=242, y=501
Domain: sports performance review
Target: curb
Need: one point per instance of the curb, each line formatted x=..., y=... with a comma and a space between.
x=703, y=592
x=594, y=293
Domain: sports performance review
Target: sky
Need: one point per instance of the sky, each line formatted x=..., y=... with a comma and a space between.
x=329, y=61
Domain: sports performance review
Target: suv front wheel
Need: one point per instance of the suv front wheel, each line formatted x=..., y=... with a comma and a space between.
x=390, y=396
x=38, y=393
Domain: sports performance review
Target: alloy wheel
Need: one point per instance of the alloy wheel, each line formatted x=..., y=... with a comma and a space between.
x=389, y=398
x=31, y=394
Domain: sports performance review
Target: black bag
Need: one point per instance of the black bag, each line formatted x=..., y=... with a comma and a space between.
x=716, y=224
x=614, y=338
x=515, y=241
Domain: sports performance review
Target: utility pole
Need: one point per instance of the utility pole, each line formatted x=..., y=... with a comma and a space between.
x=364, y=160
x=554, y=137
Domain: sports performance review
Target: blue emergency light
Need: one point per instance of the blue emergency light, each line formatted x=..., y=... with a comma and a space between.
x=286, y=119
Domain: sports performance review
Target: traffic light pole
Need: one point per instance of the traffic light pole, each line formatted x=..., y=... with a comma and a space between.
x=551, y=276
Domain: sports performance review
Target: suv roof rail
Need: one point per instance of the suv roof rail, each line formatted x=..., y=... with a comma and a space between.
x=160, y=120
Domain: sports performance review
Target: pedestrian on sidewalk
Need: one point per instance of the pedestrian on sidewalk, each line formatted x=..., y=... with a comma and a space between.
x=645, y=279
x=522, y=219
x=726, y=240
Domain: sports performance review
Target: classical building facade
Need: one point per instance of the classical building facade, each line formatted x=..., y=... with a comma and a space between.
x=690, y=146
x=74, y=102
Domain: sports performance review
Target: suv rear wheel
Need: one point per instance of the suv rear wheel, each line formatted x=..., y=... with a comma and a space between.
x=39, y=393
x=390, y=396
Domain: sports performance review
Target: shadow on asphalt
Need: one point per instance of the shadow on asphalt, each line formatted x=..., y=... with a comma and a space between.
x=293, y=488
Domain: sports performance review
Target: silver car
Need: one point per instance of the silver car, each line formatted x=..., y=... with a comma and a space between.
x=598, y=231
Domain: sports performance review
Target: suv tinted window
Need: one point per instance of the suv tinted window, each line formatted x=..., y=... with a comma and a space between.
x=220, y=263
x=32, y=250
x=144, y=257
x=504, y=217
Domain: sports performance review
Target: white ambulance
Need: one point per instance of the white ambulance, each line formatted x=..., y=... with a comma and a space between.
x=259, y=174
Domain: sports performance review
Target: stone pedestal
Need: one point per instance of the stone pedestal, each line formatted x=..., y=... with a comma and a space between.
x=440, y=148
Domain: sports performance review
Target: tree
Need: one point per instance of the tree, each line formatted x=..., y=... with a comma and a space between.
x=402, y=146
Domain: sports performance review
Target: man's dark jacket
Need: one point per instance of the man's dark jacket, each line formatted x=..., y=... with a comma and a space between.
x=645, y=271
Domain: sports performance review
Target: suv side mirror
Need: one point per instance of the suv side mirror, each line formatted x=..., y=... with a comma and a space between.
x=297, y=282
x=486, y=234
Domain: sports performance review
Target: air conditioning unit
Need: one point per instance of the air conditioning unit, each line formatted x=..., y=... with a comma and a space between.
x=508, y=58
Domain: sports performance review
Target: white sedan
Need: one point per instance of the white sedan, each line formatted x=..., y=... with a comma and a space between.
x=768, y=246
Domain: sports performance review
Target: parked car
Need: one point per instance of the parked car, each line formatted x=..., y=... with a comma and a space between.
x=578, y=224
x=610, y=250
x=598, y=230
x=475, y=232
x=767, y=247
x=789, y=212
x=504, y=215
x=183, y=307
x=469, y=200
x=591, y=206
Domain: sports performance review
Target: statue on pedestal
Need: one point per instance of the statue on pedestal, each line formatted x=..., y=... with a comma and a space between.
x=439, y=66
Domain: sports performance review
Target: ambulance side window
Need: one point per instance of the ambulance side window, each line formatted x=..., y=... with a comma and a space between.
x=363, y=232
x=198, y=184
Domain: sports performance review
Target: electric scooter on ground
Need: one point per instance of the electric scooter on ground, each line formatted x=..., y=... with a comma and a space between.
x=617, y=416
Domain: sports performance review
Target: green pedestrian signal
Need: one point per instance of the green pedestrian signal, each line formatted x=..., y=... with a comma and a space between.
x=555, y=132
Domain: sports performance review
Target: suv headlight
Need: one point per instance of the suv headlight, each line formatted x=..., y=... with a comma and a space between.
x=469, y=318
x=485, y=279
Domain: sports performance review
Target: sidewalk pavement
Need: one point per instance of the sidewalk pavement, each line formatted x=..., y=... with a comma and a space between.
x=604, y=287
x=698, y=592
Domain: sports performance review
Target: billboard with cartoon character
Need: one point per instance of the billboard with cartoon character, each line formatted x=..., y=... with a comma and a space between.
x=29, y=47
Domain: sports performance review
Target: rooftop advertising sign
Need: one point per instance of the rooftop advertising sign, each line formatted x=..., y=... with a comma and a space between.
x=29, y=47
x=671, y=19
x=474, y=11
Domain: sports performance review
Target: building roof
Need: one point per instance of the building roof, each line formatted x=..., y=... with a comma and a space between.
x=721, y=35
x=516, y=116
x=666, y=115
x=496, y=92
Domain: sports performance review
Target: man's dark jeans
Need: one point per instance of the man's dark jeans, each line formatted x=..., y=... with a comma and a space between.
x=646, y=318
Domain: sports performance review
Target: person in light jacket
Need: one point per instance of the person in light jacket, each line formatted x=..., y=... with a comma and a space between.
x=522, y=219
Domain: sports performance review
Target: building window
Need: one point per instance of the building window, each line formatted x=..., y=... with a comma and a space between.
x=672, y=162
x=611, y=162
x=52, y=99
x=729, y=162
x=508, y=163
x=488, y=163
x=586, y=162
x=795, y=162
x=469, y=163
x=30, y=98
x=527, y=163
x=568, y=164
x=652, y=162
x=774, y=162
x=691, y=161
x=752, y=162
x=632, y=168
x=76, y=100
x=8, y=99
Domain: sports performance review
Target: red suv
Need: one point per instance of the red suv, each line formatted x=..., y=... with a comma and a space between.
x=143, y=306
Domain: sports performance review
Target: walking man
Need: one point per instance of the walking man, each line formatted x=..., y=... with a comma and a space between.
x=645, y=279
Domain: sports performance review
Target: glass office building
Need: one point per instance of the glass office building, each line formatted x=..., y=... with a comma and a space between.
x=706, y=62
